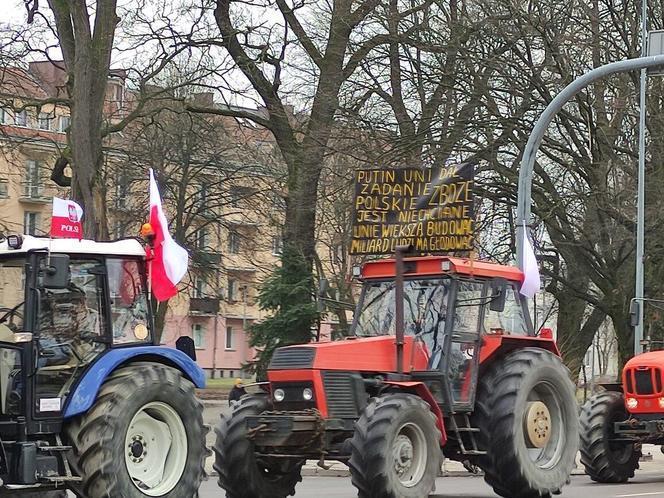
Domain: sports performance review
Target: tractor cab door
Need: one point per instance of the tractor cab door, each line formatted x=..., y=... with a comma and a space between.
x=71, y=332
x=460, y=361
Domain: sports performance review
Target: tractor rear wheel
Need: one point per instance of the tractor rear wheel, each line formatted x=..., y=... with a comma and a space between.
x=395, y=448
x=605, y=460
x=527, y=414
x=241, y=473
x=144, y=436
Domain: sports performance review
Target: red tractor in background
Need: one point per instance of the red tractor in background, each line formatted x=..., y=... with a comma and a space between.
x=617, y=421
x=443, y=360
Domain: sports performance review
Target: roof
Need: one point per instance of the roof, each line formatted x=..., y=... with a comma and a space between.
x=123, y=247
x=18, y=82
x=433, y=265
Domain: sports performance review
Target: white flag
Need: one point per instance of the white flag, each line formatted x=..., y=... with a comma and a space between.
x=531, y=281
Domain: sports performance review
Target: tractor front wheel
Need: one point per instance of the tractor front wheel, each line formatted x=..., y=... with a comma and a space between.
x=144, y=436
x=241, y=473
x=395, y=448
x=527, y=414
x=605, y=459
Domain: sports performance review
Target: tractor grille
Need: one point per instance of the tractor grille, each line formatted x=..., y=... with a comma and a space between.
x=291, y=358
x=340, y=394
x=644, y=381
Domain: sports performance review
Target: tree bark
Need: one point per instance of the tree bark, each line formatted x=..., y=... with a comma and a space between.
x=86, y=50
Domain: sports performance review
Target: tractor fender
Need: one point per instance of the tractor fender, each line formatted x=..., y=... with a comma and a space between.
x=496, y=345
x=85, y=392
x=420, y=389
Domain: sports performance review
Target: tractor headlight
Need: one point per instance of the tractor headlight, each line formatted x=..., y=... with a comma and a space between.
x=661, y=403
x=307, y=394
x=279, y=395
x=632, y=403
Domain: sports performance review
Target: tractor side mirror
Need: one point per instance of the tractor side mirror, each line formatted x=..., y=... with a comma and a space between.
x=55, y=272
x=498, y=295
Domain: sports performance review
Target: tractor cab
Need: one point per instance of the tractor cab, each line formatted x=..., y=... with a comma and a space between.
x=450, y=305
x=63, y=304
x=72, y=315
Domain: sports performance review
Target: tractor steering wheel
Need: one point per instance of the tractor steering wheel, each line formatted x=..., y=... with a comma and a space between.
x=10, y=313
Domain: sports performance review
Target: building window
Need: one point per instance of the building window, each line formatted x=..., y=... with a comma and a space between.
x=4, y=188
x=202, y=195
x=199, y=287
x=229, y=338
x=4, y=116
x=233, y=242
x=63, y=123
x=44, y=121
x=232, y=289
x=201, y=239
x=21, y=118
x=198, y=334
x=32, y=180
x=30, y=223
x=121, y=193
x=277, y=245
x=119, y=93
x=120, y=229
x=239, y=194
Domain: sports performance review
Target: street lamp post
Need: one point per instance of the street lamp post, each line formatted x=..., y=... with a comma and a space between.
x=641, y=188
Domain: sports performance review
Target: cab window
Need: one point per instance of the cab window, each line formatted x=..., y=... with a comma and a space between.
x=511, y=320
x=129, y=307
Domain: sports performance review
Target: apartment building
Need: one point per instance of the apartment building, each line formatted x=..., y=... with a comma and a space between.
x=228, y=219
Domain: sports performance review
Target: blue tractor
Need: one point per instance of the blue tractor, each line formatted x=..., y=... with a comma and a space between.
x=88, y=401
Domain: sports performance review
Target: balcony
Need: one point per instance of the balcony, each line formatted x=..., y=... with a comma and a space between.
x=204, y=306
x=33, y=193
x=205, y=259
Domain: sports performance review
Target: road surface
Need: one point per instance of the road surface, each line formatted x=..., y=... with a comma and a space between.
x=645, y=485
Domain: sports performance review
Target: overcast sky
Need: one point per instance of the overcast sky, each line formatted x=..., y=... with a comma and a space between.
x=12, y=11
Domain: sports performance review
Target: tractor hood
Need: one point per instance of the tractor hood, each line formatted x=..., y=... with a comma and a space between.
x=371, y=354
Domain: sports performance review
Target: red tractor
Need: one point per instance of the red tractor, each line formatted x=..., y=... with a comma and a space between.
x=443, y=360
x=618, y=420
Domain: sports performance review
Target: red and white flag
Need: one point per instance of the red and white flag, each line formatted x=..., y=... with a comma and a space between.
x=170, y=260
x=66, y=219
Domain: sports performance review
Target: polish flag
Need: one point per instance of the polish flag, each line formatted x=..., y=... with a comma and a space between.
x=170, y=260
x=66, y=219
x=531, y=282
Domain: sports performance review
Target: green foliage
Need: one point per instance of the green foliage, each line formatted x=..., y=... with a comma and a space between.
x=288, y=296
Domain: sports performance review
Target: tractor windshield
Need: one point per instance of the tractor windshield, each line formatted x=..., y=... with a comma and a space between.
x=12, y=295
x=425, y=309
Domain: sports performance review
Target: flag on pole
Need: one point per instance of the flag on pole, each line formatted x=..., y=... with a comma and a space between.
x=531, y=281
x=170, y=260
x=66, y=219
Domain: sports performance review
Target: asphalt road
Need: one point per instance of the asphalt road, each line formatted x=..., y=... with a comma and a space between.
x=645, y=484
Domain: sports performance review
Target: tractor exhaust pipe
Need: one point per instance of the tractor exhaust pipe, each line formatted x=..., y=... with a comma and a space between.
x=398, y=308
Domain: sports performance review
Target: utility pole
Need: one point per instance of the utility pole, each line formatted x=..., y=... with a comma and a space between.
x=641, y=190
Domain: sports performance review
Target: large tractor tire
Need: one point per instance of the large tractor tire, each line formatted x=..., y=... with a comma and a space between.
x=526, y=411
x=605, y=460
x=395, y=448
x=241, y=473
x=143, y=437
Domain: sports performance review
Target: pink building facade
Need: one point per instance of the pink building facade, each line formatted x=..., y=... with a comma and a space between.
x=222, y=345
